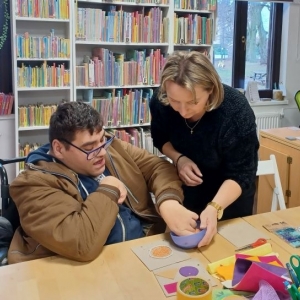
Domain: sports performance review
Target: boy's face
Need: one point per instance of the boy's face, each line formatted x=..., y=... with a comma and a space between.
x=91, y=163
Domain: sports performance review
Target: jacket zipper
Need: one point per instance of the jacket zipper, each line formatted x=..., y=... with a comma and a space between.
x=118, y=176
x=110, y=191
x=123, y=227
x=31, y=166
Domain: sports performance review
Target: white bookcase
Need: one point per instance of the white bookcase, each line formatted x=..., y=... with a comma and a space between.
x=75, y=28
x=40, y=44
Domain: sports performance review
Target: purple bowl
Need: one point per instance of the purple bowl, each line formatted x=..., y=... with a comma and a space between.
x=188, y=241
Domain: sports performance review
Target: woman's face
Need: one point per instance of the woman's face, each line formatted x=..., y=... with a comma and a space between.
x=182, y=100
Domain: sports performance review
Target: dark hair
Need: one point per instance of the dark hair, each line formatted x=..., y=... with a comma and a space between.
x=71, y=117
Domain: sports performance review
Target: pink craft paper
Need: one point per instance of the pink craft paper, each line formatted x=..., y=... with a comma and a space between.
x=171, y=287
x=248, y=274
x=265, y=259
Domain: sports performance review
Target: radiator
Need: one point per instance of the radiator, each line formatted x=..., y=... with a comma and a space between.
x=267, y=121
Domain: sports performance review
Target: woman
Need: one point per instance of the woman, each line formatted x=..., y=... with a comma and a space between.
x=208, y=129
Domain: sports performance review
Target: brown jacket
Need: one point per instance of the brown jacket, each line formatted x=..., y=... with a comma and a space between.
x=55, y=219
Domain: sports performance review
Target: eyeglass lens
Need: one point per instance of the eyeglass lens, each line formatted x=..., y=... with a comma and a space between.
x=93, y=154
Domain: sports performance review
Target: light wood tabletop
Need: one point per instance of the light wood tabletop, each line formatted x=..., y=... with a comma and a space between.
x=291, y=216
x=117, y=273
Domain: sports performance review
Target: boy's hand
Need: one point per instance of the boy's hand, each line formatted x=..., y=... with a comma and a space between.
x=180, y=220
x=111, y=180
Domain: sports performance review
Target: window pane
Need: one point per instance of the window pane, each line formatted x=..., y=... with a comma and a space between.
x=257, y=51
x=223, y=44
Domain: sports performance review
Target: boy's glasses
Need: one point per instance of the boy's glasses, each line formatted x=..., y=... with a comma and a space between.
x=93, y=153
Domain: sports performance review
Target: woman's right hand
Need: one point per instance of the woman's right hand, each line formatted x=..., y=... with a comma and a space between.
x=188, y=172
x=111, y=180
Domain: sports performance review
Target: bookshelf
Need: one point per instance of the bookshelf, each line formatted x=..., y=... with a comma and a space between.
x=42, y=61
x=111, y=56
x=132, y=35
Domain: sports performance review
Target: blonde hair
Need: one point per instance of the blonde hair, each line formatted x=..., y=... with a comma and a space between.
x=190, y=69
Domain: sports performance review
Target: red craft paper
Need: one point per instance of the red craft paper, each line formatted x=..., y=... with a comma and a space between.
x=251, y=273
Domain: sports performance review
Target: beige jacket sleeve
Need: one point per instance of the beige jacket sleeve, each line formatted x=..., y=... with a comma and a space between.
x=160, y=175
x=52, y=213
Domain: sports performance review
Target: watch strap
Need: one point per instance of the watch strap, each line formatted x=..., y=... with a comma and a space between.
x=218, y=207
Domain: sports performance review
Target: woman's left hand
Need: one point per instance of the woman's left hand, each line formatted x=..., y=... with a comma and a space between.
x=189, y=172
x=208, y=219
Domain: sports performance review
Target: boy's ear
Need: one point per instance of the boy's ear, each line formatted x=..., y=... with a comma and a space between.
x=58, y=149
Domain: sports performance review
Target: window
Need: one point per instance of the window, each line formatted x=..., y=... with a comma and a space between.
x=247, y=48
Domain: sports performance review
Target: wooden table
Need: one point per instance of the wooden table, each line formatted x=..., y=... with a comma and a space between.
x=291, y=216
x=117, y=274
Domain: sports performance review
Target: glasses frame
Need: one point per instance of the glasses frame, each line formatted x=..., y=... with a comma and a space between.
x=95, y=151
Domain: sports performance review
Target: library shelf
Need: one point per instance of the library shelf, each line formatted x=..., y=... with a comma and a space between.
x=126, y=126
x=43, y=59
x=7, y=117
x=192, y=45
x=29, y=128
x=191, y=11
x=137, y=3
x=41, y=53
x=31, y=19
x=137, y=86
x=129, y=44
x=88, y=45
x=49, y=88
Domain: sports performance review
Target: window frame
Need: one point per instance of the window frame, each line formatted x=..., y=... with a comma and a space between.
x=239, y=47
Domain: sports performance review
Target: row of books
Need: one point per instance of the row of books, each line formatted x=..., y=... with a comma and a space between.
x=196, y=4
x=58, y=9
x=124, y=107
x=118, y=69
x=43, y=76
x=121, y=26
x=193, y=29
x=6, y=104
x=36, y=114
x=50, y=46
x=24, y=150
x=139, y=137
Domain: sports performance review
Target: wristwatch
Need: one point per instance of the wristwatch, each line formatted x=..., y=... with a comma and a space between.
x=219, y=209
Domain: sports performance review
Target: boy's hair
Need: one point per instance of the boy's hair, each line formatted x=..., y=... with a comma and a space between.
x=71, y=117
x=191, y=69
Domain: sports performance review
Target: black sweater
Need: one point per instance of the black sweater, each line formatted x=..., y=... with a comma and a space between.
x=224, y=146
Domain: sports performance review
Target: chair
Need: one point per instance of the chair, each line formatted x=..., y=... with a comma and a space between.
x=269, y=167
x=9, y=210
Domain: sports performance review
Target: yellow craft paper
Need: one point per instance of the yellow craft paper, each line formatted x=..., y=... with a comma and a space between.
x=225, y=272
x=258, y=251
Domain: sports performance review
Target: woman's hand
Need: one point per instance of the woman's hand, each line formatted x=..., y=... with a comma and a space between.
x=208, y=219
x=188, y=172
x=180, y=220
